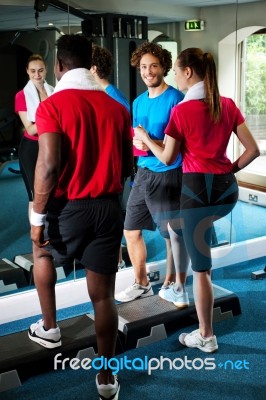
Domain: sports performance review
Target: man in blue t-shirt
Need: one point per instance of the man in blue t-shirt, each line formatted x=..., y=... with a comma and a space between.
x=155, y=195
x=102, y=63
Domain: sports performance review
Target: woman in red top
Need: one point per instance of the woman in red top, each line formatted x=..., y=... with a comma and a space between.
x=26, y=103
x=200, y=127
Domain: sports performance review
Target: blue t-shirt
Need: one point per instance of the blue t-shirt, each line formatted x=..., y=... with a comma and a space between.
x=154, y=114
x=116, y=94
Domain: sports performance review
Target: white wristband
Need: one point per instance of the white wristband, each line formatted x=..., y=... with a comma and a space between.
x=37, y=219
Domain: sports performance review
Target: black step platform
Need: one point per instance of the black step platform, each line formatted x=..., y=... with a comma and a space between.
x=150, y=319
x=25, y=357
x=12, y=276
x=25, y=261
x=141, y=322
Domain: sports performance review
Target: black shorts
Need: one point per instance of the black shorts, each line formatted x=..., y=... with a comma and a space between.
x=89, y=231
x=205, y=198
x=154, y=200
x=28, y=154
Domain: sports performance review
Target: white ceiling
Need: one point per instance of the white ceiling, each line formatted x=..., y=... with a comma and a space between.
x=20, y=15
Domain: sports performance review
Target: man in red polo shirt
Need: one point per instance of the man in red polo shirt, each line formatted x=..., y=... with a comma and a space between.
x=85, y=148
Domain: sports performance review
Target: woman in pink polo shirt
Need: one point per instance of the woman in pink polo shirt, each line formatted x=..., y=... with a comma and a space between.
x=26, y=103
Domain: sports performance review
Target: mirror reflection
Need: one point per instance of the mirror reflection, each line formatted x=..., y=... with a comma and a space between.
x=240, y=54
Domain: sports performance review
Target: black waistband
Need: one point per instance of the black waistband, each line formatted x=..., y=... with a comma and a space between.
x=61, y=203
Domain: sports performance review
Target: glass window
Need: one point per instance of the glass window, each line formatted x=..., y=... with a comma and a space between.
x=253, y=103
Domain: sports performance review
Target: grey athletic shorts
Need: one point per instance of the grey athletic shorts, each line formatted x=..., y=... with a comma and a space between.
x=154, y=200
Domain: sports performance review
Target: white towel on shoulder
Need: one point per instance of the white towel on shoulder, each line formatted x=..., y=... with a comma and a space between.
x=78, y=78
x=32, y=98
x=196, y=92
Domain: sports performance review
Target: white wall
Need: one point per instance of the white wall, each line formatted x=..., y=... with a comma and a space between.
x=219, y=22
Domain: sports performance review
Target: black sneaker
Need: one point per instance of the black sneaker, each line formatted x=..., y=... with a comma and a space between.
x=49, y=339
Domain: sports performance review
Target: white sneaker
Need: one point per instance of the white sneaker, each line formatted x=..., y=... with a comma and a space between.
x=194, y=339
x=110, y=391
x=172, y=294
x=49, y=339
x=121, y=265
x=134, y=292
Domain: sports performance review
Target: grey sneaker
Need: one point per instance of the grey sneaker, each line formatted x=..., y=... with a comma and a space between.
x=49, y=339
x=110, y=391
x=194, y=339
x=134, y=292
x=172, y=294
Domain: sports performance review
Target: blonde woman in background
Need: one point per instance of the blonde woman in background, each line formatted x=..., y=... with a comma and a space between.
x=26, y=104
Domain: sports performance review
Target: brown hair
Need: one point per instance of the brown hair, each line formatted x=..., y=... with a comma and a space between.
x=163, y=55
x=204, y=66
x=102, y=59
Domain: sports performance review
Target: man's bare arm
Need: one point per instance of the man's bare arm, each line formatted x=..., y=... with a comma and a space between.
x=47, y=170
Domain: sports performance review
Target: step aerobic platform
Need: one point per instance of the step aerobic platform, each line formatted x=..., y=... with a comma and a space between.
x=149, y=319
x=141, y=322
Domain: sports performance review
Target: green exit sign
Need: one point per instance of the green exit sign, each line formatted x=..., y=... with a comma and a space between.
x=194, y=25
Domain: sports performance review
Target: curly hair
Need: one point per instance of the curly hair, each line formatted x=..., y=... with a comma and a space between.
x=163, y=55
x=102, y=59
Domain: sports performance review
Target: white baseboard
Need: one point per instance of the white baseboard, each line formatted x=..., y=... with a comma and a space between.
x=252, y=196
x=25, y=304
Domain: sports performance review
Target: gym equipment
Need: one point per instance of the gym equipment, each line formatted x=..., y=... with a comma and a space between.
x=261, y=274
x=25, y=261
x=11, y=276
x=21, y=357
x=141, y=320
